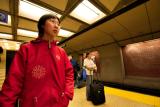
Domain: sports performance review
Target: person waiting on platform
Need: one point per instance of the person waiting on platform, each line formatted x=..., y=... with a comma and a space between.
x=90, y=67
x=76, y=69
x=41, y=74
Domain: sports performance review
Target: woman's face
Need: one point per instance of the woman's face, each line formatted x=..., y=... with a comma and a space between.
x=51, y=27
x=89, y=56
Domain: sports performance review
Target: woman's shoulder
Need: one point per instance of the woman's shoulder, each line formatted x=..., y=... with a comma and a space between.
x=25, y=45
x=60, y=49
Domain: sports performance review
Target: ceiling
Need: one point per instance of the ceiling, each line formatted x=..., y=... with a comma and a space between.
x=126, y=21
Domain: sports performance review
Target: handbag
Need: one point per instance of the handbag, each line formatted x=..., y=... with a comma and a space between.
x=84, y=74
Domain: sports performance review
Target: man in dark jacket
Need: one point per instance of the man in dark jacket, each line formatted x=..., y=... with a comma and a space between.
x=76, y=68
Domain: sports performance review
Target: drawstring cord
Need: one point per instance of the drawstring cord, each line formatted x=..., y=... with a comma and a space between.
x=49, y=44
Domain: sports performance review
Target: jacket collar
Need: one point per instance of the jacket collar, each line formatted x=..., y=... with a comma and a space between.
x=40, y=40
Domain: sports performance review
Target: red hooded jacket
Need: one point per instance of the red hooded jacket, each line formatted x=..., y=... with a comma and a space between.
x=39, y=76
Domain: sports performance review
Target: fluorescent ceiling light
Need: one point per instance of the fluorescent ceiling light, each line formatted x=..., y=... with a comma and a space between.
x=9, y=21
x=6, y=36
x=27, y=33
x=9, y=45
x=65, y=33
x=87, y=12
x=33, y=11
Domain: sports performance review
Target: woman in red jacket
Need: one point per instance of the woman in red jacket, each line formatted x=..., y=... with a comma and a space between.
x=41, y=74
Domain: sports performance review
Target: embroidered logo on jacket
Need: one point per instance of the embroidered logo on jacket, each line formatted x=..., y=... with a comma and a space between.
x=38, y=72
x=58, y=57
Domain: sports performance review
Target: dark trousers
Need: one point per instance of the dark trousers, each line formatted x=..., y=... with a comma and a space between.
x=89, y=80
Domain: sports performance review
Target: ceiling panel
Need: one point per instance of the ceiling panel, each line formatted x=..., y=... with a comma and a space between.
x=56, y=3
x=135, y=20
x=5, y=29
x=27, y=24
x=120, y=35
x=131, y=23
x=58, y=38
x=143, y=38
x=115, y=29
x=4, y=5
x=125, y=42
x=153, y=7
x=110, y=4
x=71, y=24
x=92, y=38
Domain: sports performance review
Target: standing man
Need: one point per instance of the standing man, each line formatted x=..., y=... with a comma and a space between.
x=41, y=74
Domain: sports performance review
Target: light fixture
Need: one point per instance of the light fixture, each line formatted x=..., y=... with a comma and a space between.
x=87, y=12
x=10, y=45
x=6, y=36
x=27, y=33
x=65, y=33
x=33, y=11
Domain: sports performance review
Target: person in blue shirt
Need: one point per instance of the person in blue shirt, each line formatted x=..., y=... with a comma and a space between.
x=76, y=68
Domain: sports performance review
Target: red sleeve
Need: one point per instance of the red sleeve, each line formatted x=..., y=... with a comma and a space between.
x=13, y=83
x=69, y=89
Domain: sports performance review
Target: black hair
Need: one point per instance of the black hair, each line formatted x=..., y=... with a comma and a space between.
x=87, y=53
x=42, y=21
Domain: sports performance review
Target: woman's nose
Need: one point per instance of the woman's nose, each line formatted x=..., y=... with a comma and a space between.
x=57, y=25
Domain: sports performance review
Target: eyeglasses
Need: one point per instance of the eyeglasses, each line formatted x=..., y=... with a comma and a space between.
x=55, y=21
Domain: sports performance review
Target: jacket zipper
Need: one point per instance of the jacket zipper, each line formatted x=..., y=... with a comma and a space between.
x=53, y=59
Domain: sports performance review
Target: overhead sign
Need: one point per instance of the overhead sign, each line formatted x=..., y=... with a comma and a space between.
x=3, y=17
